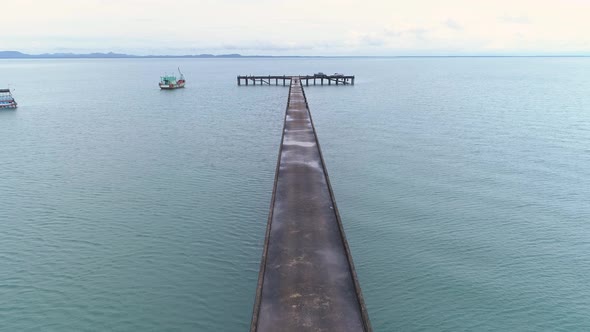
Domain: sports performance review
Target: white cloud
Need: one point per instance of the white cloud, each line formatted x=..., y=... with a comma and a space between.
x=382, y=27
x=452, y=24
x=515, y=19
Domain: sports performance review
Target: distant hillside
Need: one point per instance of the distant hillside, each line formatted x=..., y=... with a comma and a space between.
x=111, y=55
x=20, y=55
x=13, y=54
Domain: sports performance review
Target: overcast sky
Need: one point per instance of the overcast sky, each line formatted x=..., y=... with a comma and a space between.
x=298, y=27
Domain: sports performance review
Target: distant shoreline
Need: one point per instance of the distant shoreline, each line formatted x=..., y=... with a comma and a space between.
x=111, y=55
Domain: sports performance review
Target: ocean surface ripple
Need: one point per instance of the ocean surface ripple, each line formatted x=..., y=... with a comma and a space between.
x=463, y=184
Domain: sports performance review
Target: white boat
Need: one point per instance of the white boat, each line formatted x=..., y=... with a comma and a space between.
x=6, y=99
x=168, y=82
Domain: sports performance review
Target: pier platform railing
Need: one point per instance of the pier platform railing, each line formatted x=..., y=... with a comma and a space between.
x=285, y=80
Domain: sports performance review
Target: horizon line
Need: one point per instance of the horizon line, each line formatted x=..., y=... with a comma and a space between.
x=96, y=55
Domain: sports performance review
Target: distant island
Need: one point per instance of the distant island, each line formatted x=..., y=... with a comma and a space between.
x=112, y=55
x=20, y=55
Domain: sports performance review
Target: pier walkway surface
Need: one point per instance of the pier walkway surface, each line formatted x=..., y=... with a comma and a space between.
x=307, y=281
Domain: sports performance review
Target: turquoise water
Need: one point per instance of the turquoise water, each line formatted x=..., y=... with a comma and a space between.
x=463, y=185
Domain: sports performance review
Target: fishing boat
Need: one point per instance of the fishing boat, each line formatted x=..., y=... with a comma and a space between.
x=168, y=82
x=6, y=99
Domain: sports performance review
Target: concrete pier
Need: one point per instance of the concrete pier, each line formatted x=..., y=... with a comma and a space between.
x=307, y=281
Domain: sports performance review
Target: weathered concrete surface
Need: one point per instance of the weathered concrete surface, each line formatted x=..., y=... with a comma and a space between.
x=307, y=281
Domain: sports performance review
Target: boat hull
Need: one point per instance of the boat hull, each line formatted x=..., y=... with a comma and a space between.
x=171, y=86
x=8, y=105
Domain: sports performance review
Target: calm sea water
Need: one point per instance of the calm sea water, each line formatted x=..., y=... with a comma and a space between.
x=463, y=184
